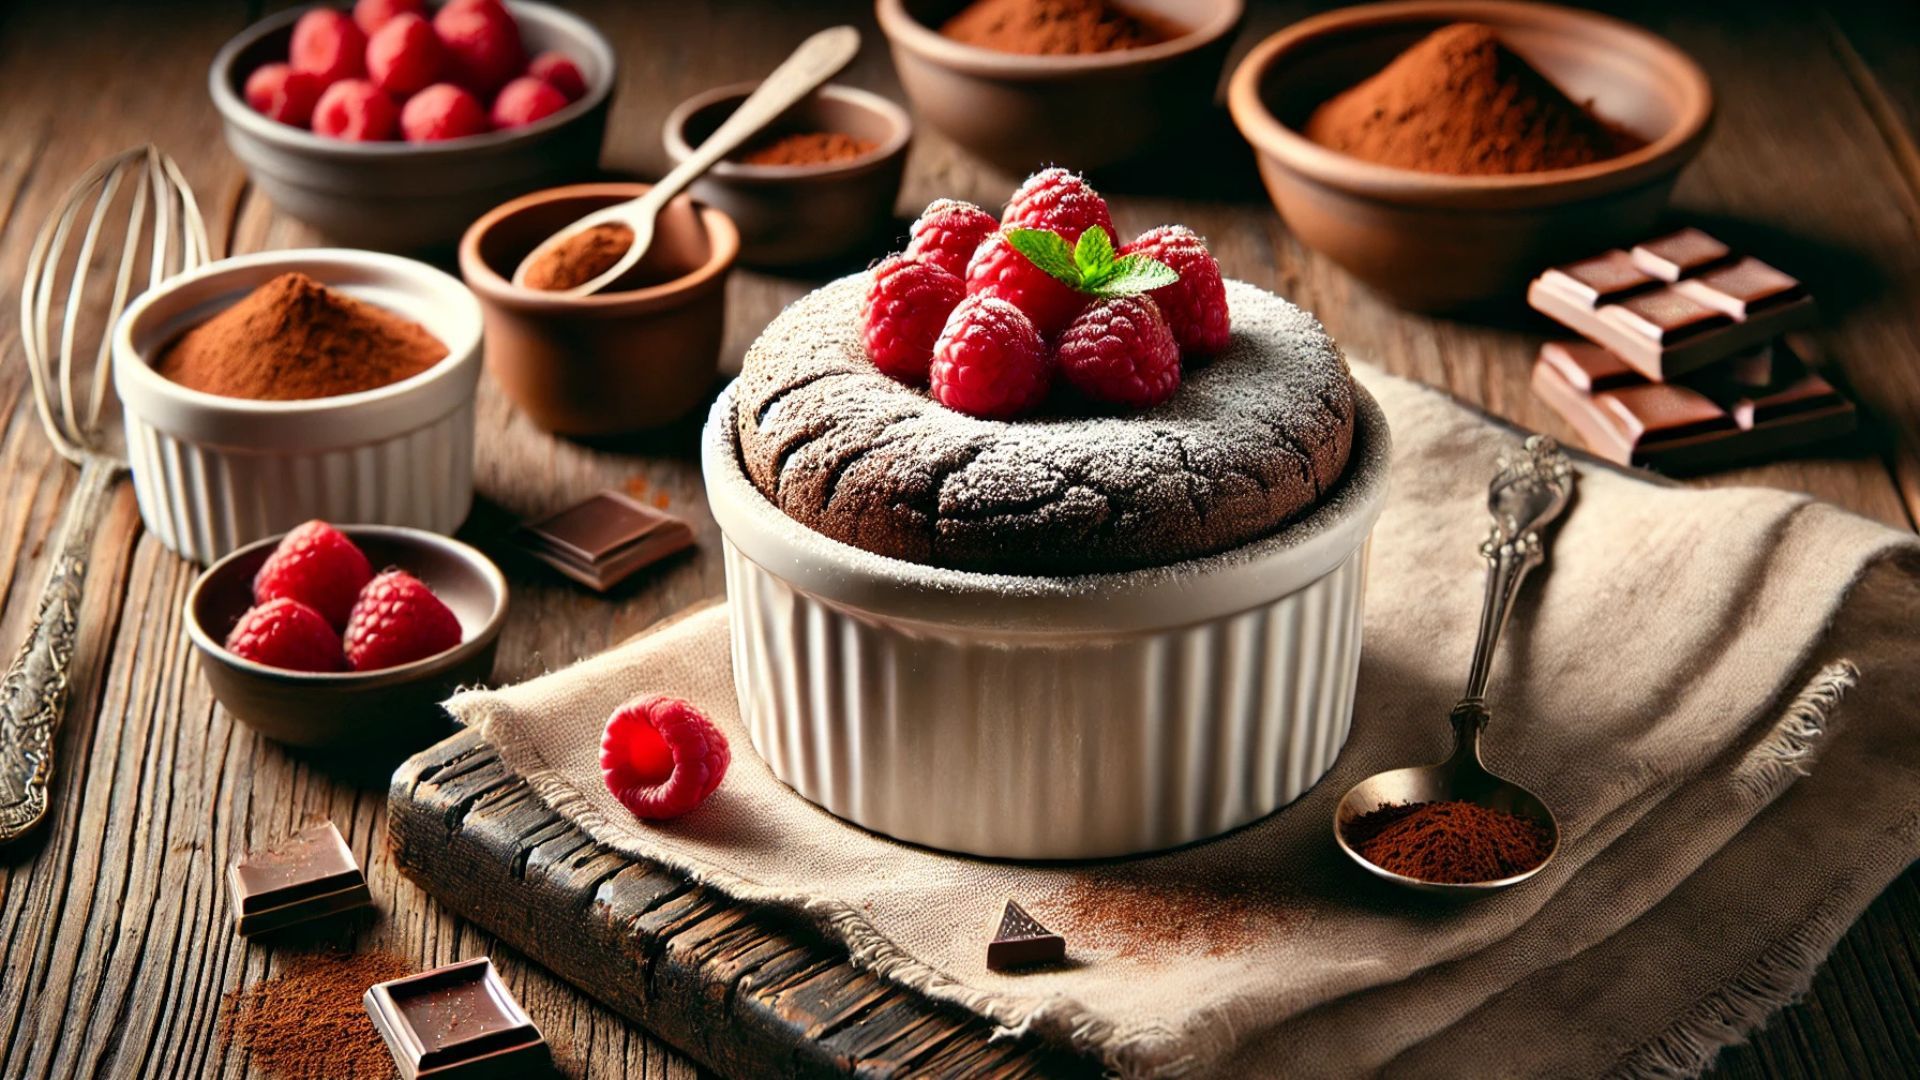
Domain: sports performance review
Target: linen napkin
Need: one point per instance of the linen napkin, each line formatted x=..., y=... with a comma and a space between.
x=1685, y=657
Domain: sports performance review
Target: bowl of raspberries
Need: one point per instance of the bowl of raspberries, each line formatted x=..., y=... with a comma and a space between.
x=393, y=124
x=1044, y=309
x=343, y=637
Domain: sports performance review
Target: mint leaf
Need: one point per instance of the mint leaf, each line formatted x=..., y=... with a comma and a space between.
x=1047, y=250
x=1131, y=275
x=1094, y=255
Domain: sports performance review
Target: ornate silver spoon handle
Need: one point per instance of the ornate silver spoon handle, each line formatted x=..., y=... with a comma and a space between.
x=33, y=693
x=1531, y=489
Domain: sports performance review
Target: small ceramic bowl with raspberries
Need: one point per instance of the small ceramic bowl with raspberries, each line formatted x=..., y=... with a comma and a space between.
x=392, y=124
x=347, y=637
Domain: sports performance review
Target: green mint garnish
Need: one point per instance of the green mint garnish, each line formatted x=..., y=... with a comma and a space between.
x=1091, y=266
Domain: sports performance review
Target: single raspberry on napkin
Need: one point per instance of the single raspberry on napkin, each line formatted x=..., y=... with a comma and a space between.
x=398, y=620
x=907, y=304
x=661, y=758
x=1058, y=201
x=286, y=634
x=317, y=565
x=990, y=361
x=1120, y=352
x=948, y=232
x=1196, y=305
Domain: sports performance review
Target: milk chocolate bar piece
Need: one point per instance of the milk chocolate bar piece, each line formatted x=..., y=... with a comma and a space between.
x=1675, y=304
x=1023, y=942
x=605, y=539
x=458, y=1022
x=1762, y=402
x=311, y=875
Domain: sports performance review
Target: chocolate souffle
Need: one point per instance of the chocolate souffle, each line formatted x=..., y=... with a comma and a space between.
x=1253, y=438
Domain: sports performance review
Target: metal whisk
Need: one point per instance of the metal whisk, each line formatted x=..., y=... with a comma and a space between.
x=57, y=325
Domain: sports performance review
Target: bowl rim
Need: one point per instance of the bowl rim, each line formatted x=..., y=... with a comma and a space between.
x=134, y=375
x=1182, y=593
x=907, y=32
x=722, y=234
x=234, y=110
x=474, y=643
x=1263, y=129
x=673, y=135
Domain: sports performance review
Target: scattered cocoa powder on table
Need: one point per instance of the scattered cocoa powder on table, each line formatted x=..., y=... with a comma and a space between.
x=581, y=259
x=807, y=148
x=1132, y=915
x=294, y=339
x=309, y=1023
x=1461, y=102
x=1452, y=842
x=1054, y=27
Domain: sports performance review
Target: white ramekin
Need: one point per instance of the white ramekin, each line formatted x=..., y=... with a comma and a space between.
x=1046, y=717
x=213, y=473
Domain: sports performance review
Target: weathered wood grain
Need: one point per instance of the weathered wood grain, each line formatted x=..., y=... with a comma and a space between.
x=115, y=938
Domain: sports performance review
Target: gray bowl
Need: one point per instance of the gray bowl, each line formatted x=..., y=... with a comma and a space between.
x=396, y=707
x=399, y=196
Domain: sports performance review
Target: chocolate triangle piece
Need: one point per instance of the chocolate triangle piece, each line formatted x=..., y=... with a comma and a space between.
x=1023, y=942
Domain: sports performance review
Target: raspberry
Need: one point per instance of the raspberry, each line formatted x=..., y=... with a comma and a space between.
x=398, y=620
x=989, y=360
x=1120, y=352
x=482, y=44
x=371, y=15
x=278, y=92
x=1195, y=306
x=442, y=111
x=525, y=100
x=404, y=56
x=356, y=110
x=907, y=304
x=326, y=43
x=948, y=233
x=286, y=634
x=999, y=271
x=661, y=758
x=1058, y=201
x=560, y=72
x=317, y=565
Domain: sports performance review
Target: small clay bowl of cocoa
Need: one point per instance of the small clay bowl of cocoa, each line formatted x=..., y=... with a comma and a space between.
x=1442, y=241
x=639, y=355
x=390, y=708
x=1140, y=73
x=818, y=185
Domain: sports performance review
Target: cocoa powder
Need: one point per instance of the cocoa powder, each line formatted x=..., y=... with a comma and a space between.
x=1450, y=842
x=806, y=148
x=581, y=259
x=293, y=339
x=1129, y=915
x=1461, y=102
x=1054, y=27
x=309, y=1023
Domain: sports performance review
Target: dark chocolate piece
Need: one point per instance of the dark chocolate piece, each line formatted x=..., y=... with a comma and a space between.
x=1023, y=942
x=1762, y=402
x=605, y=539
x=311, y=875
x=1675, y=304
x=459, y=1022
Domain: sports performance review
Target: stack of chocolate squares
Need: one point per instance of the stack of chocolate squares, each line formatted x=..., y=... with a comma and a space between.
x=1690, y=361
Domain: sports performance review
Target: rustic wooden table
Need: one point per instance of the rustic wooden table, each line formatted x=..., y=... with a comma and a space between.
x=114, y=919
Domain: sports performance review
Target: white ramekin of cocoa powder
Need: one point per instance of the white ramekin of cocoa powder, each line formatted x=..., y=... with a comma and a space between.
x=266, y=390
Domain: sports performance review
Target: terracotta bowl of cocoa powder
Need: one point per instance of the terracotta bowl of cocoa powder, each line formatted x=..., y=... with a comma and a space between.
x=1433, y=241
x=802, y=210
x=1088, y=110
x=616, y=362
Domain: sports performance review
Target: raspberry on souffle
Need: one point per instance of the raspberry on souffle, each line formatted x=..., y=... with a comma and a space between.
x=1195, y=306
x=990, y=361
x=948, y=232
x=1058, y=201
x=907, y=305
x=1002, y=272
x=1121, y=352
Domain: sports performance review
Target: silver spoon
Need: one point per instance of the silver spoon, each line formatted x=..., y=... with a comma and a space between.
x=818, y=59
x=1528, y=493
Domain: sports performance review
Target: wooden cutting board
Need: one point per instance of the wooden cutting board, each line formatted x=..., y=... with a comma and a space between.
x=745, y=989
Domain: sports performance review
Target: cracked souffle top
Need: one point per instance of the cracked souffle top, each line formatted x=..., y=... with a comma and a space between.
x=1251, y=439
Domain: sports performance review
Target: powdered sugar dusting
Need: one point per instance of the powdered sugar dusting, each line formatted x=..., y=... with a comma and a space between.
x=1251, y=440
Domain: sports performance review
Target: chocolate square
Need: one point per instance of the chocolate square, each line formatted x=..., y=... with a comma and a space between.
x=310, y=875
x=1602, y=279
x=605, y=539
x=1744, y=288
x=458, y=1022
x=1678, y=255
